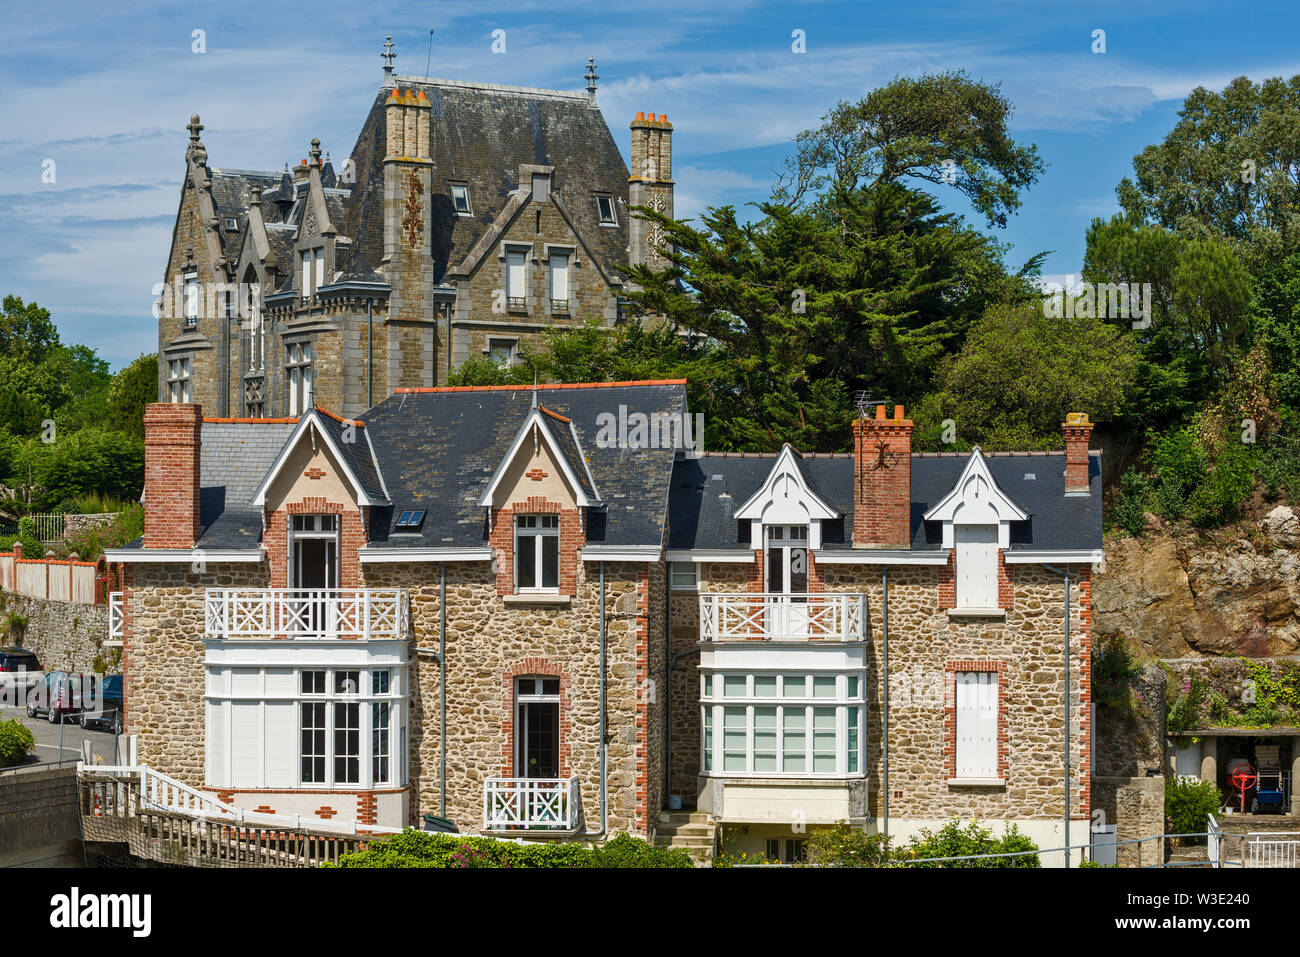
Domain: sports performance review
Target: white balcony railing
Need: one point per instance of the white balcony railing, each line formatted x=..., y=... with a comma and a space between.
x=530, y=803
x=115, y=616
x=740, y=617
x=357, y=613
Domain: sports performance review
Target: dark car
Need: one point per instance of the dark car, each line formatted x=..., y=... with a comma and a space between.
x=56, y=695
x=19, y=669
x=103, y=704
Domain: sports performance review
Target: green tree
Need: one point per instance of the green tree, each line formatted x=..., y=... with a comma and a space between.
x=26, y=330
x=1021, y=371
x=944, y=128
x=134, y=387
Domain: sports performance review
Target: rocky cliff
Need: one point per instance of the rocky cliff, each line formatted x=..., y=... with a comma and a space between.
x=1237, y=592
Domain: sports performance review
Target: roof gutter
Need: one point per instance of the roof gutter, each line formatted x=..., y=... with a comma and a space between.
x=381, y=555
x=174, y=555
x=621, y=553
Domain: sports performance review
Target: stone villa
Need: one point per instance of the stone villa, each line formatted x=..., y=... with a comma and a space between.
x=469, y=602
x=468, y=219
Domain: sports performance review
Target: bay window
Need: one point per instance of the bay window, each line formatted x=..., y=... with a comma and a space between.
x=311, y=727
x=782, y=724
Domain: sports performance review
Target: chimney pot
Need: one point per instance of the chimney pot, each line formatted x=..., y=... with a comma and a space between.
x=898, y=411
x=880, y=412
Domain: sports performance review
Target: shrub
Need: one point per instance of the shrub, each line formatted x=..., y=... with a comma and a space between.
x=16, y=742
x=414, y=848
x=1113, y=671
x=1187, y=704
x=1134, y=501
x=847, y=846
x=952, y=840
x=1188, y=803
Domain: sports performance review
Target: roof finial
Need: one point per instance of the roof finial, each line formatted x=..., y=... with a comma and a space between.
x=534, y=387
x=591, y=76
x=388, y=55
x=195, y=127
x=315, y=151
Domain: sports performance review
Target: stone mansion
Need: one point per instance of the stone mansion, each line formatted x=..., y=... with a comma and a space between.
x=468, y=219
x=463, y=603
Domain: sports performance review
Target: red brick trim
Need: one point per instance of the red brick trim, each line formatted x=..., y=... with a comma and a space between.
x=550, y=385
x=532, y=666
x=325, y=812
x=948, y=582
x=353, y=523
x=1006, y=583
x=502, y=541
x=950, y=712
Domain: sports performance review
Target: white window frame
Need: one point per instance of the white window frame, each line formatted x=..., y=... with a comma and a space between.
x=461, y=191
x=683, y=576
x=298, y=376
x=554, y=274
x=221, y=698
x=976, y=762
x=180, y=379
x=516, y=298
x=512, y=350
x=539, y=528
x=847, y=703
x=193, y=300
x=613, y=210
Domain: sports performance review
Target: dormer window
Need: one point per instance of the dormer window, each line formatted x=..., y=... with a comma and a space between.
x=313, y=272
x=460, y=199
x=232, y=224
x=605, y=208
x=537, y=553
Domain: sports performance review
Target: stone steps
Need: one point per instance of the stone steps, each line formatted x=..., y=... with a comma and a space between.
x=688, y=830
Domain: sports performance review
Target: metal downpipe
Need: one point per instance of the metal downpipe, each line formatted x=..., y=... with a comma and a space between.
x=1065, y=574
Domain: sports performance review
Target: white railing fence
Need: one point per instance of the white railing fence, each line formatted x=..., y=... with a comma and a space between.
x=738, y=617
x=115, y=616
x=1273, y=849
x=50, y=527
x=307, y=613
x=530, y=802
x=1213, y=841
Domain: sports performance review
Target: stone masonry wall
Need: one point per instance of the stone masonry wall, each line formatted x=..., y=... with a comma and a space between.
x=66, y=636
x=489, y=643
x=922, y=643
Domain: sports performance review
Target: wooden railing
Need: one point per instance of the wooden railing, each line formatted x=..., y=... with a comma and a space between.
x=739, y=617
x=362, y=613
x=518, y=803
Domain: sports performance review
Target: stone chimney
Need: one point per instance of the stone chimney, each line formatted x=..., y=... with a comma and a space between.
x=407, y=114
x=172, y=442
x=882, y=478
x=650, y=184
x=1078, y=430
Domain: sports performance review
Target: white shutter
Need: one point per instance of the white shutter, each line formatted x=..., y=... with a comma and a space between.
x=215, y=751
x=977, y=725
x=514, y=275
x=560, y=276
x=245, y=743
x=306, y=275
x=977, y=565
x=281, y=744
x=320, y=269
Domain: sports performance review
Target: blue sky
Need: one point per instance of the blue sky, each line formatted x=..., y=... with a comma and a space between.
x=106, y=92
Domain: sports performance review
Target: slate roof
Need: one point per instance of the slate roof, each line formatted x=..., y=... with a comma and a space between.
x=439, y=449
x=707, y=491
x=235, y=458
x=231, y=193
x=558, y=428
x=480, y=135
x=350, y=437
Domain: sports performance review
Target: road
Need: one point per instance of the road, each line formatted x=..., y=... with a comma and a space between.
x=48, y=742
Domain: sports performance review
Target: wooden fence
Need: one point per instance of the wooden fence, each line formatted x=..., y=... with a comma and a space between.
x=80, y=582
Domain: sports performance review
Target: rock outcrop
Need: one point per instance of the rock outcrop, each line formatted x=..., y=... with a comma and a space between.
x=1239, y=597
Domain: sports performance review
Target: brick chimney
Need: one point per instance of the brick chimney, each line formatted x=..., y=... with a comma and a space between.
x=882, y=473
x=171, y=474
x=1078, y=430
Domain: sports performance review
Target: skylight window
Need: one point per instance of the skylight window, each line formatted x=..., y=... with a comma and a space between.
x=460, y=199
x=409, y=521
x=605, y=205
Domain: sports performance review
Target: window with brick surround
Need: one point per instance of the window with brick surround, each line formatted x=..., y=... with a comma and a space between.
x=537, y=553
x=977, y=725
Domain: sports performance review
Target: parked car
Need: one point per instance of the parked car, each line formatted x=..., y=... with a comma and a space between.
x=56, y=696
x=19, y=670
x=103, y=705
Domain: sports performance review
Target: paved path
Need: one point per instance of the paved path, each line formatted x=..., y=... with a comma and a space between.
x=48, y=743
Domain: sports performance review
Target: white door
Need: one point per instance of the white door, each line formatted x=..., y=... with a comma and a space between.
x=977, y=566
x=977, y=724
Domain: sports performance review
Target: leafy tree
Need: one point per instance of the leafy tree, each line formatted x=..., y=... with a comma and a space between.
x=944, y=128
x=130, y=391
x=1197, y=180
x=1022, y=371
x=26, y=330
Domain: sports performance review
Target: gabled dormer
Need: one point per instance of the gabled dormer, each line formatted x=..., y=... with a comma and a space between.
x=786, y=498
x=316, y=234
x=537, y=504
x=976, y=499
